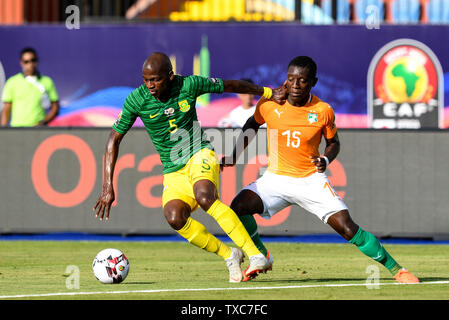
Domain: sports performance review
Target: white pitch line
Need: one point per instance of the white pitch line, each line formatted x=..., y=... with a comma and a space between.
x=216, y=289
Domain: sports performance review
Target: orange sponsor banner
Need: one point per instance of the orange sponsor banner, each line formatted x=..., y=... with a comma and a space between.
x=147, y=189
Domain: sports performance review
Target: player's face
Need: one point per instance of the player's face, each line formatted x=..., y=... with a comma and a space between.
x=28, y=63
x=299, y=84
x=157, y=82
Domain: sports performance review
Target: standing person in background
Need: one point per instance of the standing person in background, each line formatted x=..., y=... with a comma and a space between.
x=238, y=116
x=28, y=95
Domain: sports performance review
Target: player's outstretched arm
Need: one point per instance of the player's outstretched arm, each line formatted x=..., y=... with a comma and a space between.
x=107, y=196
x=330, y=152
x=278, y=95
x=249, y=131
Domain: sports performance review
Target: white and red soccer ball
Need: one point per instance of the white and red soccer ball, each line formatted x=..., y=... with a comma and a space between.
x=110, y=266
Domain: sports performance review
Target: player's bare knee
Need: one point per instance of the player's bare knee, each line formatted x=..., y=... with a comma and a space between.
x=205, y=199
x=175, y=218
x=177, y=223
x=342, y=223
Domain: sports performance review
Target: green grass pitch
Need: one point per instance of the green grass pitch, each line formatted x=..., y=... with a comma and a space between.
x=180, y=271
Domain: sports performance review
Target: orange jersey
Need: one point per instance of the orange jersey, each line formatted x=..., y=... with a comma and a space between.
x=294, y=134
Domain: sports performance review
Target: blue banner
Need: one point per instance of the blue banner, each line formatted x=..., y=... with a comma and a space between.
x=95, y=67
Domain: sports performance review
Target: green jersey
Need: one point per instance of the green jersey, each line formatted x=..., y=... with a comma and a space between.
x=173, y=125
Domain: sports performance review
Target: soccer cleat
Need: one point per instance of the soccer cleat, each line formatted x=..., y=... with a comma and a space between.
x=233, y=263
x=270, y=260
x=258, y=264
x=404, y=276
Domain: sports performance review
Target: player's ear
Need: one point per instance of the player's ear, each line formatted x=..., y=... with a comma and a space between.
x=314, y=81
x=171, y=75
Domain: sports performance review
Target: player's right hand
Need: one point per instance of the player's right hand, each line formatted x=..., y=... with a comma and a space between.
x=104, y=203
x=227, y=161
x=319, y=163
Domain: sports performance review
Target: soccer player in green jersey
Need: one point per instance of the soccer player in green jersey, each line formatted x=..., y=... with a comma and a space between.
x=166, y=105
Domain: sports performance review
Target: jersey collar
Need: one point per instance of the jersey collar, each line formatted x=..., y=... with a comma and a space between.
x=310, y=98
x=38, y=75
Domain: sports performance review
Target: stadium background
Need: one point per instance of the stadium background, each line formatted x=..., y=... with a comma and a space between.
x=393, y=181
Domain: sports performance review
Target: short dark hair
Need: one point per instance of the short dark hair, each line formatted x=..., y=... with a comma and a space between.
x=28, y=50
x=247, y=80
x=166, y=62
x=304, y=62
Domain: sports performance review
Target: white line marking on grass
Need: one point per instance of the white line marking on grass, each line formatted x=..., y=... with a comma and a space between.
x=213, y=289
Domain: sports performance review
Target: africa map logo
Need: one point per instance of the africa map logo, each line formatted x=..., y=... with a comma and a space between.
x=405, y=87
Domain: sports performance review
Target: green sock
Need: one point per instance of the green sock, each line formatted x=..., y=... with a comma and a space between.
x=250, y=225
x=370, y=246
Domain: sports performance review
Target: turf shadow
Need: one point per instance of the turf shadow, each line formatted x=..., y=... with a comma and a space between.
x=320, y=280
x=430, y=279
x=339, y=280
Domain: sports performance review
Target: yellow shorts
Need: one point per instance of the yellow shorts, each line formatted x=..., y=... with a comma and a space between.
x=203, y=165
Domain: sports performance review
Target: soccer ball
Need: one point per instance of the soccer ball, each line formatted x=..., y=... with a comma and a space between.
x=110, y=266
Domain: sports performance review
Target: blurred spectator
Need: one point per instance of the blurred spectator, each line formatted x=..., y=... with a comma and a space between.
x=438, y=11
x=364, y=9
x=237, y=117
x=28, y=95
x=138, y=7
x=406, y=11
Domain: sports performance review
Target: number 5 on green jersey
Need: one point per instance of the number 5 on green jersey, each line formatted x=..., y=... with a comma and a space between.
x=173, y=126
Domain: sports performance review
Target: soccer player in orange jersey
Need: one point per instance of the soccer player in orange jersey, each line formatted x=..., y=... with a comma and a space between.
x=296, y=170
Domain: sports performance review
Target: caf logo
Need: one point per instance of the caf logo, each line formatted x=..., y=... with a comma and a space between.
x=405, y=87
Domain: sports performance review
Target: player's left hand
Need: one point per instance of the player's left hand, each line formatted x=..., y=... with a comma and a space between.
x=319, y=163
x=280, y=94
x=104, y=203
